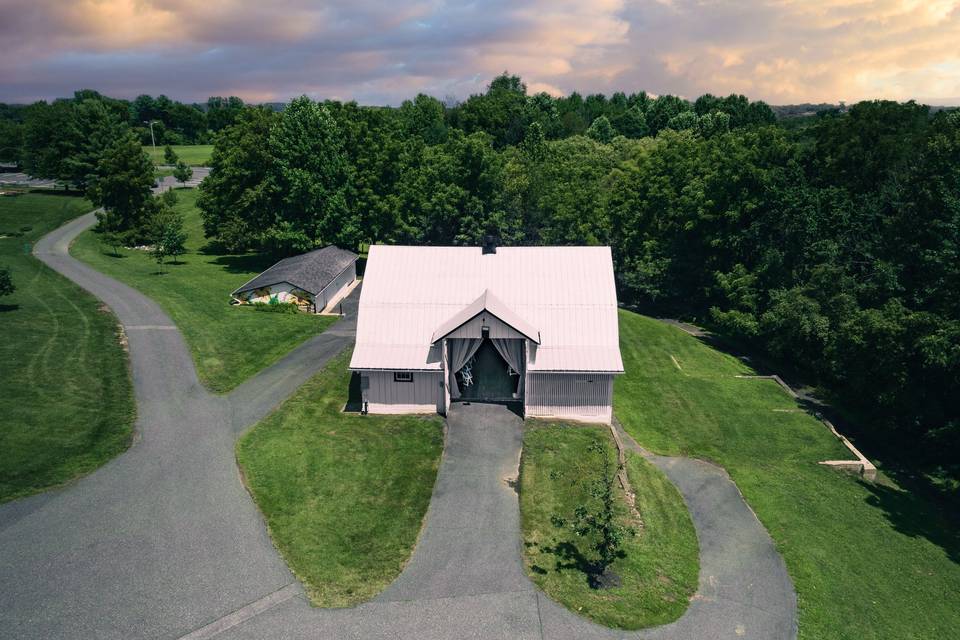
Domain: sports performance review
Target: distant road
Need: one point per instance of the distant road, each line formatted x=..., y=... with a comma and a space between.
x=22, y=179
x=16, y=178
x=199, y=173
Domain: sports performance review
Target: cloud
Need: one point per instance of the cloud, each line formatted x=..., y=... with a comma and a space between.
x=796, y=51
x=378, y=52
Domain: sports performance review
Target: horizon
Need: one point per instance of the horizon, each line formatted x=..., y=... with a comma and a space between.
x=783, y=53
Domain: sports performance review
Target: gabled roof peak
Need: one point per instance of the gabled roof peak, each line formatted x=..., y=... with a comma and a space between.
x=493, y=305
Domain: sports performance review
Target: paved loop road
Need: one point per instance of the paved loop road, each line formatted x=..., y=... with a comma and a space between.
x=164, y=542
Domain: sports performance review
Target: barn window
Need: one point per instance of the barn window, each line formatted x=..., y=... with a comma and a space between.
x=402, y=376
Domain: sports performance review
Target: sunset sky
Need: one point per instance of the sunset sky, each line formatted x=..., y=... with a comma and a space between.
x=781, y=51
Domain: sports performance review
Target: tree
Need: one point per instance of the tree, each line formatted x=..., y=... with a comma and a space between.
x=182, y=172
x=601, y=130
x=662, y=110
x=375, y=144
x=223, y=112
x=570, y=199
x=713, y=124
x=11, y=141
x=6, y=282
x=451, y=193
x=236, y=199
x=169, y=156
x=309, y=174
x=45, y=147
x=92, y=130
x=597, y=519
x=632, y=123
x=167, y=236
x=683, y=121
x=123, y=185
x=542, y=110
x=502, y=111
x=113, y=239
x=65, y=140
x=424, y=117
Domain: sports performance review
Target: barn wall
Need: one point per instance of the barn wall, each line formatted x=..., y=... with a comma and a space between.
x=575, y=396
x=498, y=328
x=423, y=395
x=283, y=292
x=338, y=284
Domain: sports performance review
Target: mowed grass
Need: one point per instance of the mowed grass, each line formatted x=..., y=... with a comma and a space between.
x=66, y=400
x=229, y=343
x=344, y=495
x=659, y=567
x=196, y=155
x=868, y=561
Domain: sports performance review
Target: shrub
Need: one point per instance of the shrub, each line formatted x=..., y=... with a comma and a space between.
x=276, y=307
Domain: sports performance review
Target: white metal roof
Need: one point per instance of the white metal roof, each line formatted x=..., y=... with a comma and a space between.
x=566, y=294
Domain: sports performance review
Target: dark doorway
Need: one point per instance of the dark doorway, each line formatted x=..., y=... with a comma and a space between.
x=489, y=377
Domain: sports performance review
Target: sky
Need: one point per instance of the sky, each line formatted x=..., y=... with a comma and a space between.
x=781, y=51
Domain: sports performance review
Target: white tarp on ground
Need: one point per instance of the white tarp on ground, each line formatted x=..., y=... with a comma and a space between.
x=566, y=293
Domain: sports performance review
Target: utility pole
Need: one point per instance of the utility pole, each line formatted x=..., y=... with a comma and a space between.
x=152, y=139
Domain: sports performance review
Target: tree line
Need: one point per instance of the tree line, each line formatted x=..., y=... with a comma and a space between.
x=832, y=244
x=57, y=124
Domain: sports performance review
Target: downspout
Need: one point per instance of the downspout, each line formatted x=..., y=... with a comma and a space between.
x=444, y=358
x=526, y=368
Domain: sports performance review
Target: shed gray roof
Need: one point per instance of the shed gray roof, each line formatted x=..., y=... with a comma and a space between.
x=311, y=271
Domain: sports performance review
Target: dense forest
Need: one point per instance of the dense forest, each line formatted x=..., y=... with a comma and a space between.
x=832, y=245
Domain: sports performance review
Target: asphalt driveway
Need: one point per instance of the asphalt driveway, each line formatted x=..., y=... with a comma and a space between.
x=164, y=542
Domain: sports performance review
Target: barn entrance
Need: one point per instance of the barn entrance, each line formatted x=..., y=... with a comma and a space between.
x=487, y=377
x=485, y=374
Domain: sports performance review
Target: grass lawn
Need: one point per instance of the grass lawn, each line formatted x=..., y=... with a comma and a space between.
x=344, y=495
x=197, y=155
x=868, y=561
x=660, y=564
x=66, y=400
x=229, y=343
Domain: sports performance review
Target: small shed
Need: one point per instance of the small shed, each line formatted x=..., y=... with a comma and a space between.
x=535, y=326
x=314, y=281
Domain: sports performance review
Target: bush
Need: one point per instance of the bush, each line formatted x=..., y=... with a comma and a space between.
x=276, y=307
x=6, y=282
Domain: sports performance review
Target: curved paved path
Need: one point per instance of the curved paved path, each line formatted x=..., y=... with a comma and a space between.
x=163, y=541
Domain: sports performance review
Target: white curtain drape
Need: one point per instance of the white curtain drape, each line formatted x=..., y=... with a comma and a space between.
x=511, y=350
x=461, y=350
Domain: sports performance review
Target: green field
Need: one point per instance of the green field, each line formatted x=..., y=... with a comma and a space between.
x=229, y=343
x=66, y=400
x=197, y=155
x=868, y=561
x=660, y=566
x=344, y=495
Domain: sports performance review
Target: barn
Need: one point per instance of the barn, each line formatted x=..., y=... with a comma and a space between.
x=314, y=281
x=536, y=326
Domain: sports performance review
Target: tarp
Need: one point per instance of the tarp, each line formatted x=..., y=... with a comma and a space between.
x=511, y=350
x=461, y=350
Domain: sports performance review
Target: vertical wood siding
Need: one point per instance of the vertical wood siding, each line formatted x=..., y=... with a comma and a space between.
x=474, y=328
x=336, y=285
x=423, y=395
x=576, y=396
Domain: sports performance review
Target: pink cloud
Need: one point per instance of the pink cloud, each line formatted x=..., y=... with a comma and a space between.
x=777, y=50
